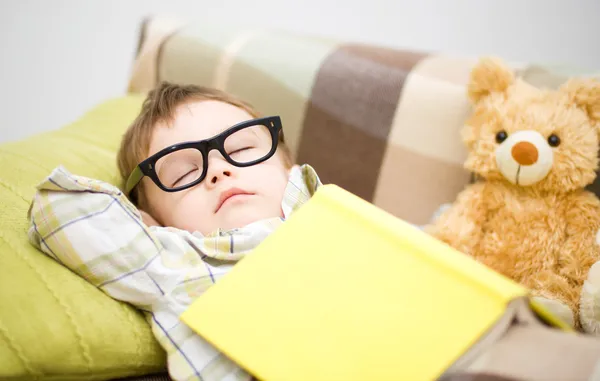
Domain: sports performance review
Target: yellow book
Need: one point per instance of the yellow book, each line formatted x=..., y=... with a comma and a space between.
x=346, y=291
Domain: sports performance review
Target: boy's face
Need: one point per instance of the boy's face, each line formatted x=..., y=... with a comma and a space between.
x=199, y=208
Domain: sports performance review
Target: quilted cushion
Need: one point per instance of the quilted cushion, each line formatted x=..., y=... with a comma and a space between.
x=54, y=325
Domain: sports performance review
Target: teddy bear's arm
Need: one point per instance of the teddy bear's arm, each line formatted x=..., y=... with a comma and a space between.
x=580, y=250
x=589, y=303
x=460, y=225
x=575, y=255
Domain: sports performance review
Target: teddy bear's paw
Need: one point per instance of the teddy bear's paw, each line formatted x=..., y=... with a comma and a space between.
x=593, y=277
x=590, y=301
x=557, y=308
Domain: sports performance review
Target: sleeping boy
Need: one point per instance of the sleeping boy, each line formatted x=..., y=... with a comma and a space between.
x=206, y=179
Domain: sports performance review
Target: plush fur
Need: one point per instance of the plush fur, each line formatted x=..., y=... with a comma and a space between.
x=528, y=215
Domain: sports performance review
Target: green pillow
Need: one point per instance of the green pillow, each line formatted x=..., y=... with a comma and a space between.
x=53, y=324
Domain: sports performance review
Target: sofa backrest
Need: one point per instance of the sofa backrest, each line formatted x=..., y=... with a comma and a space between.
x=382, y=123
x=379, y=122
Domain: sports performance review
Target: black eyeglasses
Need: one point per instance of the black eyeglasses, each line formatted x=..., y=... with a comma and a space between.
x=184, y=165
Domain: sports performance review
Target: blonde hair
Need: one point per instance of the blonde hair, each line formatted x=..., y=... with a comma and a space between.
x=160, y=106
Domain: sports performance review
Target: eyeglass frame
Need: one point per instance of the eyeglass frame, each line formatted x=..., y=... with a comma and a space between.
x=148, y=166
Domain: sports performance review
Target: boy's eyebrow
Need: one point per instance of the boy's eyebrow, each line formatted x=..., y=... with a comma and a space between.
x=247, y=131
x=253, y=131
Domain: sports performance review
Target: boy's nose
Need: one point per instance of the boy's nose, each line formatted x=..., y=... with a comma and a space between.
x=215, y=177
x=218, y=168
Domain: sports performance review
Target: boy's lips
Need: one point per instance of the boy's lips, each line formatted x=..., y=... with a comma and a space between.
x=229, y=193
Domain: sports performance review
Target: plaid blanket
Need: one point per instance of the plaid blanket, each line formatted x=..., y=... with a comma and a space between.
x=383, y=123
x=90, y=227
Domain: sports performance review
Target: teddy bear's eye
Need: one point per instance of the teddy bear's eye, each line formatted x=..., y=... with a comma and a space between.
x=553, y=140
x=501, y=136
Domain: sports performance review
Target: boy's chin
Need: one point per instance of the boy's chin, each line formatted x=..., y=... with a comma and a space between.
x=247, y=216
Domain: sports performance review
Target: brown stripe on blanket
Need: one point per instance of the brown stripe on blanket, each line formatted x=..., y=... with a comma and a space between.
x=350, y=114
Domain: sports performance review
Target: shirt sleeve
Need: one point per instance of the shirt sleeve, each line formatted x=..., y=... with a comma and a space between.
x=90, y=227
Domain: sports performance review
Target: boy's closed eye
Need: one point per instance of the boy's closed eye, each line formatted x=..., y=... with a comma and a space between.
x=247, y=149
x=190, y=174
x=239, y=153
x=179, y=166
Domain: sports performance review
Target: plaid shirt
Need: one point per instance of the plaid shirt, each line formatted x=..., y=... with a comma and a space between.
x=90, y=227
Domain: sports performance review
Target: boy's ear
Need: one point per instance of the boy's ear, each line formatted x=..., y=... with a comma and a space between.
x=488, y=76
x=585, y=93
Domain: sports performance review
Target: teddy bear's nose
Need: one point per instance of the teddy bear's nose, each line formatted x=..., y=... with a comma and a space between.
x=525, y=153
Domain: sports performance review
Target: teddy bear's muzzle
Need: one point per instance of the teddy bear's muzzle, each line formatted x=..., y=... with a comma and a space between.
x=524, y=158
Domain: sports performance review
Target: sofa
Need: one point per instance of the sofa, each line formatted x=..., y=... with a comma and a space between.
x=383, y=123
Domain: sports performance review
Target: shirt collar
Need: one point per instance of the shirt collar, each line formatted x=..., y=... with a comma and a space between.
x=303, y=182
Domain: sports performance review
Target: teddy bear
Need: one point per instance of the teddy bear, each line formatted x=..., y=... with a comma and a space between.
x=527, y=214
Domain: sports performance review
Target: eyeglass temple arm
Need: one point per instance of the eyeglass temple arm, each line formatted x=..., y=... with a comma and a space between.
x=281, y=136
x=134, y=179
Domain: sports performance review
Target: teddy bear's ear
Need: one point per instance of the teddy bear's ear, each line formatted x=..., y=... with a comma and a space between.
x=585, y=93
x=489, y=75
